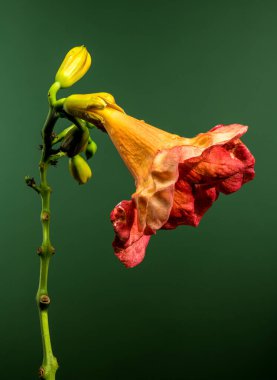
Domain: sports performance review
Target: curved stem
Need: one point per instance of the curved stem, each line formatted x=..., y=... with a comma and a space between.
x=52, y=93
x=49, y=363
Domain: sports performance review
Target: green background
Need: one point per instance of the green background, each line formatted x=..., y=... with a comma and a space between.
x=203, y=303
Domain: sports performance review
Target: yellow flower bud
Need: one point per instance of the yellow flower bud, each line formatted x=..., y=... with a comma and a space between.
x=89, y=106
x=79, y=169
x=74, y=66
x=84, y=102
x=79, y=105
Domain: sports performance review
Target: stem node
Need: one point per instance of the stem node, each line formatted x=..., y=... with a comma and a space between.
x=45, y=215
x=44, y=301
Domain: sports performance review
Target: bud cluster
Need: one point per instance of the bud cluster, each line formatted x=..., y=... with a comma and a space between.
x=76, y=139
x=83, y=110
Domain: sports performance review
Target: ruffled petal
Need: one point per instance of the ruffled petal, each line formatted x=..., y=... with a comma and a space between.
x=154, y=197
x=190, y=204
x=219, y=169
x=129, y=243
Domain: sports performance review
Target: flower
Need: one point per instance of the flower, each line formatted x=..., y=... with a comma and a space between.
x=177, y=179
x=74, y=66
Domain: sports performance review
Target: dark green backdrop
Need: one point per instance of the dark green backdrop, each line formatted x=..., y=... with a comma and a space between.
x=202, y=306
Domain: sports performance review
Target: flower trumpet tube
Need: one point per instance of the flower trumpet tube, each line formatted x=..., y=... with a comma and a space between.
x=177, y=178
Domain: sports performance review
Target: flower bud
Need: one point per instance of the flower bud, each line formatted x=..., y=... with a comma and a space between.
x=74, y=66
x=73, y=104
x=84, y=105
x=75, y=141
x=109, y=99
x=79, y=169
x=91, y=149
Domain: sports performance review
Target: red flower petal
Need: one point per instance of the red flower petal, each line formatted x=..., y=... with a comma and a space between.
x=218, y=169
x=190, y=204
x=129, y=243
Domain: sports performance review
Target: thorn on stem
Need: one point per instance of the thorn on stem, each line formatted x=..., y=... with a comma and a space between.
x=53, y=136
x=30, y=181
x=41, y=372
x=44, y=301
x=53, y=162
x=45, y=216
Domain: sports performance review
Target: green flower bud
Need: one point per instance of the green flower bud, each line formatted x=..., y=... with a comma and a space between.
x=91, y=149
x=75, y=141
x=74, y=66
x=79, y=169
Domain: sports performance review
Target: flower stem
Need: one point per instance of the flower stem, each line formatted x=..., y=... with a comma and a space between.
x=49, y=364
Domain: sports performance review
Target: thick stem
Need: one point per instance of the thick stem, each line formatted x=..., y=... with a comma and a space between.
x=49, y=364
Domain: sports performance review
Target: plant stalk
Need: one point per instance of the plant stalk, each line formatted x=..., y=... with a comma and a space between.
x=49, y=365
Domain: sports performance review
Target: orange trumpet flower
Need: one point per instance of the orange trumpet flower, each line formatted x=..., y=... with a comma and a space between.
x=177, y=178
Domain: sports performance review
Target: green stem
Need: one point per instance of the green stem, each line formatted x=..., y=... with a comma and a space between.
x=52, y=93
x=49, y=364
x=61, y=135
x=51, y=119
